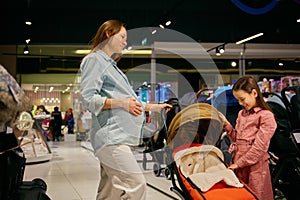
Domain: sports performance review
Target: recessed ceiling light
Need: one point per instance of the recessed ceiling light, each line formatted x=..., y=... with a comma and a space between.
x=249, y=38
x=83, y=51
x=233, y=64
x=298, y=20
x=168, y=23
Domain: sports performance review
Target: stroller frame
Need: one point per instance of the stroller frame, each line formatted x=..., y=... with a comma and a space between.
x=285, y=160
x=184, y=119
x=157, y=150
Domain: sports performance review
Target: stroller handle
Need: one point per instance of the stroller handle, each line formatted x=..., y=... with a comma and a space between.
x=200, y=92
x=163, y=115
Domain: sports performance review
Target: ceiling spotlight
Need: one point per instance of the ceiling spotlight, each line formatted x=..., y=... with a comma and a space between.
x=168, y=23
x=161, y=26
x=28, y=23
x=280, y=64
x=218, y=52
x=36, y=89
x=27, y=41
x=298, y=20
x=153, y=32
x=222, y=49
x=26, y=50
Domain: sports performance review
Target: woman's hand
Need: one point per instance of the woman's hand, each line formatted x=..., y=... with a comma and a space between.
x=159, y=107
x=132, y=106
x=135, y=108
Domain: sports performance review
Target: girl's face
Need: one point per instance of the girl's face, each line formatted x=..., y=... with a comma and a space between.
x=118, y=41
x=245, y=99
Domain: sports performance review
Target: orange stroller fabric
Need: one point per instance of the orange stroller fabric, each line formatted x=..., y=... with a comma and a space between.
x=219, y=190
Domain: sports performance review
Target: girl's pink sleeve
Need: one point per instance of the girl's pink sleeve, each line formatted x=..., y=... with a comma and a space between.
x=260, y=146
x=230, y=131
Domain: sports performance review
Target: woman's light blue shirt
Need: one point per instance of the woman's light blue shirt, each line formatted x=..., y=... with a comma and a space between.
x=102, y=79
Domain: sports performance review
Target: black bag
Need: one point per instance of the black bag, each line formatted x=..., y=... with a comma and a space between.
x=11, y=172
x=12, y=165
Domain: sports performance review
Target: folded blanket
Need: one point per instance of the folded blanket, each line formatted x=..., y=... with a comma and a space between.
x=204, y=166
x=207, y=180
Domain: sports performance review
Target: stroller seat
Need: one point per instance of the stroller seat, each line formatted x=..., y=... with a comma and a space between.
x=204, y=166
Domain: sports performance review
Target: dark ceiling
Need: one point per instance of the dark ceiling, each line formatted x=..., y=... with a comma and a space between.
x=76, y=21
x=61, y=23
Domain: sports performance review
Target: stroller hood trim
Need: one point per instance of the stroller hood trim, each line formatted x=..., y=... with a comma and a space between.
x=191, y=113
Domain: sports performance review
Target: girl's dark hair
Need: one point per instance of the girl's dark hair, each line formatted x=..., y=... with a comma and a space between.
x=106, y=30
x=247, y=84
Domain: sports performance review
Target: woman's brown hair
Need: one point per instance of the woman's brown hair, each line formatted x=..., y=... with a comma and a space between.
x=106, y=30
x=247, y=84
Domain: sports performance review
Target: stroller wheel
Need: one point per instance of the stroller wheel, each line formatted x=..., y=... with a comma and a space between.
x=168, y=173
x=41, y=183
x=156, y=169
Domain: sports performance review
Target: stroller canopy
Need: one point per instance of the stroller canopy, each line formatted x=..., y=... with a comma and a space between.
x=223, y=96
x=197, y=123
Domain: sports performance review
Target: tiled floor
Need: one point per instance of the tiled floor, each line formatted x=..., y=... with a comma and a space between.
x=73, y=174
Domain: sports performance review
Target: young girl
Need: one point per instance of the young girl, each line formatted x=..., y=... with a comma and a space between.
x=251, y=136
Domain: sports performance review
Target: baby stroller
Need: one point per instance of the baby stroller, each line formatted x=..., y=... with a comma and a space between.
x=157, y=134
x=198, y=170
x=284, y=146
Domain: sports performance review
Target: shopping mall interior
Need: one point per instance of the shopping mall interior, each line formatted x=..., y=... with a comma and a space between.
x=173, y=48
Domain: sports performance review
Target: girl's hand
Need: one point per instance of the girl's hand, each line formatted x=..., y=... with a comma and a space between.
x=233, y=166
x=224, y=120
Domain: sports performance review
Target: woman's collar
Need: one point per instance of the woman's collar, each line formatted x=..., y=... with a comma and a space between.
x=105, y=56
